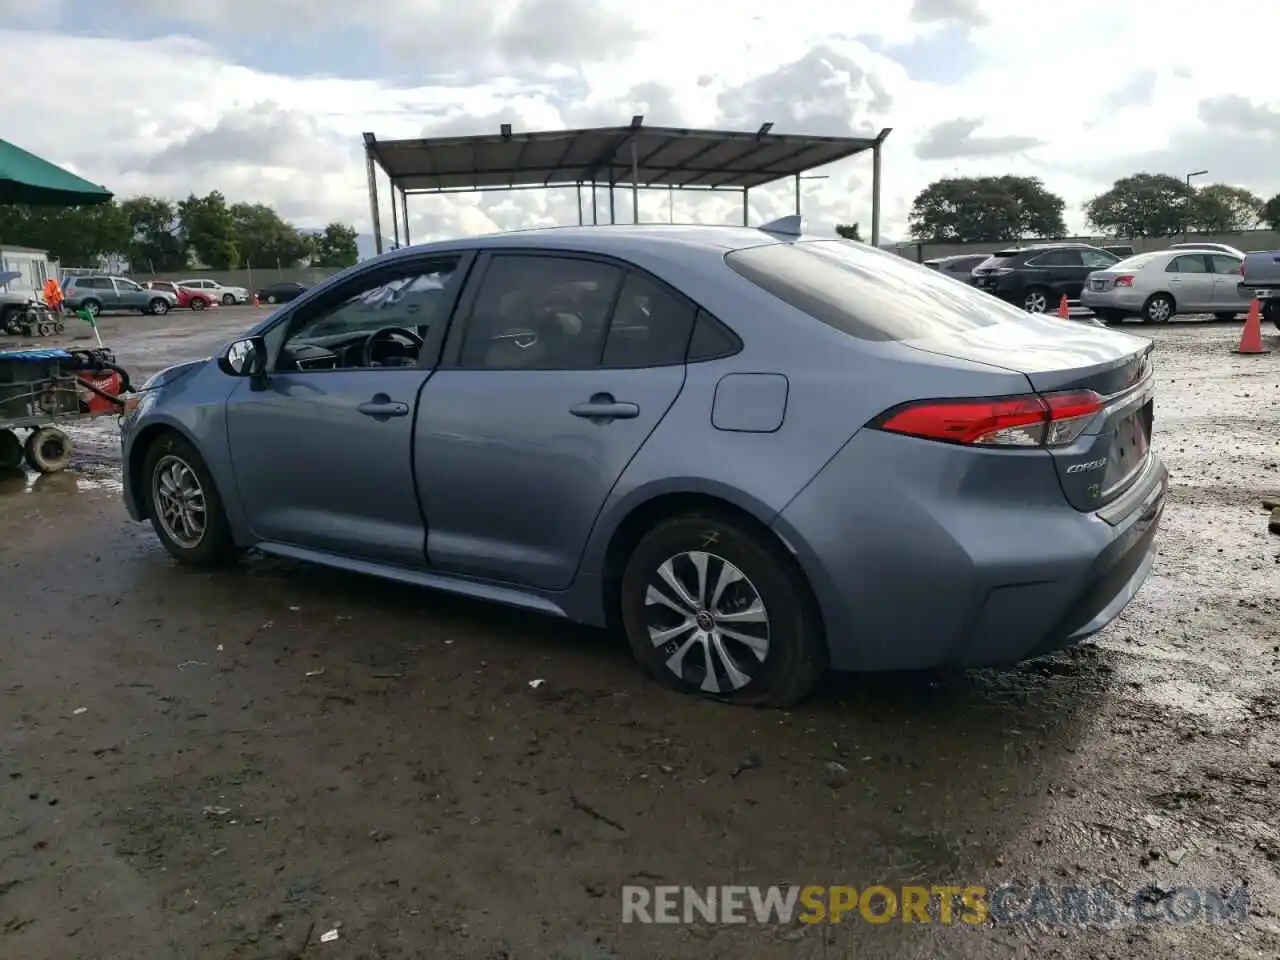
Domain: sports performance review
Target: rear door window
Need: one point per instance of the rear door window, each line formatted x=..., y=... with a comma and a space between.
x=1056, y=258
x=1225, y=264
x=867, y=293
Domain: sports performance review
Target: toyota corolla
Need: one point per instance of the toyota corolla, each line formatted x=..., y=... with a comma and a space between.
x=756, y=453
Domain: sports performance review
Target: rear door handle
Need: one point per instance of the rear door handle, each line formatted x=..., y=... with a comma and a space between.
x=603, y=406
x=381, y=407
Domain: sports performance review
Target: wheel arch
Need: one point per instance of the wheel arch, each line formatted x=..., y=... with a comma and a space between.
x=137, y=461
x=647, y=511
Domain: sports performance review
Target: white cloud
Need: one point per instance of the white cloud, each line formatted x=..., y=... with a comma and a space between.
x=180, y=115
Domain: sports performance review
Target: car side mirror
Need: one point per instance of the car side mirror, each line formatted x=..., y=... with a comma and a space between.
x=246, y=358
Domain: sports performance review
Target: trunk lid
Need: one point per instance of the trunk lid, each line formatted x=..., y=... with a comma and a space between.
x=1055, y=356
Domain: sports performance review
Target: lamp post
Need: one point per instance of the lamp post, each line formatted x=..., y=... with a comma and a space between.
x=1186, y=217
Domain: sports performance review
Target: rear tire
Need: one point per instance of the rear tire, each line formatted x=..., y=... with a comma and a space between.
x=1271, y=311
x=1035, y=300
x=158, y=307
x=11, y=452
x=199, y=303
x=48, y=450
x=1159, y=308
x=91, y=307
x=1110, y=317
x=749, y=588
x=185, y=507
x=228, y=301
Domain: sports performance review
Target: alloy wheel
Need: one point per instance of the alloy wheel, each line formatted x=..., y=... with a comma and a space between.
x=708, y=620
x=1035, y=302
x=179, y=501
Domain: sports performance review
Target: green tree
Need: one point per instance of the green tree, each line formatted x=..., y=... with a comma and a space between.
x=1142, y=205
x=972, y=209
x=75, y=236
x=849, y=231
x=1270, y=213
x=154, y=242
x=209, y=229
x=263, y=239
x=335, y=246
x=1220, y=208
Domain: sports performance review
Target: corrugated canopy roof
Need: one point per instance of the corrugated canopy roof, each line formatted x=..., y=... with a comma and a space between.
x=663, y=156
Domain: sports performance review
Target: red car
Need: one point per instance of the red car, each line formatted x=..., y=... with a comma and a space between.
x=193, y=299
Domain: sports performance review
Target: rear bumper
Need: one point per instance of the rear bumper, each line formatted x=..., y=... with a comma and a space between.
x=919, y=573
x=1116, y=299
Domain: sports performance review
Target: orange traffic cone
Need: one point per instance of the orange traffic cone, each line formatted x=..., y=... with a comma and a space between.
x=1064, y=311
x=1251, y=338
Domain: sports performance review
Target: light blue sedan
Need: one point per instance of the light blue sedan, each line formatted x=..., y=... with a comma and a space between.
x=754, y=452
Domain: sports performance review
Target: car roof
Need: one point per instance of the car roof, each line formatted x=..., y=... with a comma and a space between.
x=622, y=240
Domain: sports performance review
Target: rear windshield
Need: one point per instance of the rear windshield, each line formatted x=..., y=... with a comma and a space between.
x=1138, y=260
x=868, y=293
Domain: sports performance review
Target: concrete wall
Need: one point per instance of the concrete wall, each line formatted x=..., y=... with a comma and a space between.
x=1250, y=240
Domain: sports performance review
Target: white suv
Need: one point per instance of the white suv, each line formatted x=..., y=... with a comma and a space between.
x=227, y=296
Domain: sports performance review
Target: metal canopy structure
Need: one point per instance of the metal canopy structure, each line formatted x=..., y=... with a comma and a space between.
x=633, y=156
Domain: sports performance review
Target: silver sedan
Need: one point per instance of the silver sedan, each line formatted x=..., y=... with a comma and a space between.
x=1158, y=286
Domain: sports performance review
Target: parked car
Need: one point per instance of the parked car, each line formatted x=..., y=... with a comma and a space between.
x=1216, y=247
x=1036, y=278
x=960, y=266
x=756, y=453
x=1260, y=277
x=187, y=299
x=282, y=292
x=227, y=296
x=99, y=294
x=1158, y=286
x=1121, y=250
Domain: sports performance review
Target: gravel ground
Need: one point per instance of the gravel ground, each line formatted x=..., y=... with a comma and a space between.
x=230, y=765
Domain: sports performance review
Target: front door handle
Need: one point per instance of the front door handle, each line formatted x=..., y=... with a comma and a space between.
x=381, y=407
x=602, y=406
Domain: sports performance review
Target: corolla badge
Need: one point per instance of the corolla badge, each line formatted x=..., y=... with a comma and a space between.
x=1087, y=466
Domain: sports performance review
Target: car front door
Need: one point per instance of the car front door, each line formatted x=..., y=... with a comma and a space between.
x=1226, y=284
x=1191, y=282
x=322, y=451
x=562, y=369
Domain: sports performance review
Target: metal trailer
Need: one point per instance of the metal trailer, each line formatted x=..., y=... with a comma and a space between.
x=42, y=388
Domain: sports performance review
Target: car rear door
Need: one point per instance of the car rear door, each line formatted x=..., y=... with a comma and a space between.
x=558, y=369
x=1226, y=284
x=1060, y=272
x=1191, y=282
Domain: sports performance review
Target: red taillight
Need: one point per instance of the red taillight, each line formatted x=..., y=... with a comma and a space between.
x=1124, y=281
x=1050, y=420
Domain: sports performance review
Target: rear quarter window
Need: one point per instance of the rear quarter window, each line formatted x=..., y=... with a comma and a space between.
x=867, y=293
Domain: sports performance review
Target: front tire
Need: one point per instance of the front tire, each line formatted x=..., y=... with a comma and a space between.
x=185, y=507
x=712, y=607
x=48, y=450
x=1159, y=308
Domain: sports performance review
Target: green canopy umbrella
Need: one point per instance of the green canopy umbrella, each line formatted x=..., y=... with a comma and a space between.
x=25, y=178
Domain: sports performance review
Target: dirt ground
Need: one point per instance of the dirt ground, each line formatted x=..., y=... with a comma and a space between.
x=231, y=765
